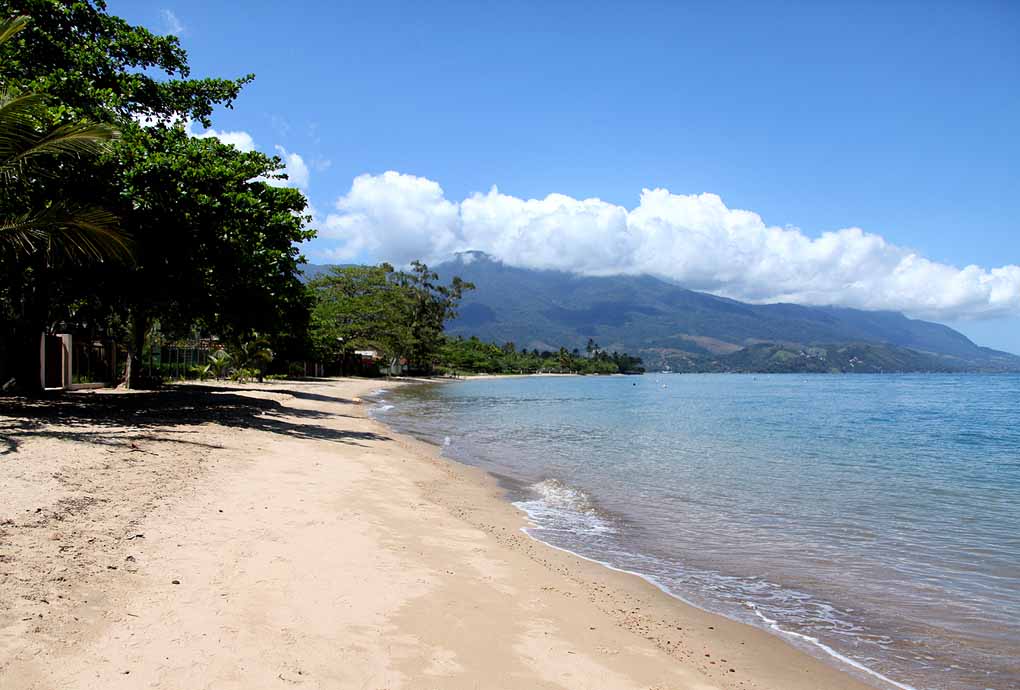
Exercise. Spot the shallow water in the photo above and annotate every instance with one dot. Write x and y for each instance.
(876, 516)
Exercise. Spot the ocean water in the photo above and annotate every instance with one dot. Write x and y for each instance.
(871, 519)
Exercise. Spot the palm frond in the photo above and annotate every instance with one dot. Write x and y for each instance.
(30, 145)
(21, 121)
(79, 233)
(19, 150)
(11, 26)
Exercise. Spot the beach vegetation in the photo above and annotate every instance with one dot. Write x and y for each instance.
(399, 315)
(214, 232)
(219, 364)
(34, 148)
(471, 355)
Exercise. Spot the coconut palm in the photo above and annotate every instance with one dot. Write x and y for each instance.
(254, 355)
(31, 149)
(219, 364)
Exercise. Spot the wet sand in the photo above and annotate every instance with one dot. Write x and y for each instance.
(273, 536)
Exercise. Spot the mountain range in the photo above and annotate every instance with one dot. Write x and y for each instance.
(672, 327)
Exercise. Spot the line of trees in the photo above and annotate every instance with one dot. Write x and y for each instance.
(471, 355)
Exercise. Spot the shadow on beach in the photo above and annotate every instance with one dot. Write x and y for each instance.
(92, 417)
(293, 392)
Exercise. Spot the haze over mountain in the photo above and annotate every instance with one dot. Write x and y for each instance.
(665, 322)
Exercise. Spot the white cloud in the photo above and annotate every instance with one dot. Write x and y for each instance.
(298, 172)
(296, 169)
(171, 24)
(239, 139)
(695, 240)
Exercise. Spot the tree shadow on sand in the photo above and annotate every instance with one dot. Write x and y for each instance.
(90, 417)
(293, 392)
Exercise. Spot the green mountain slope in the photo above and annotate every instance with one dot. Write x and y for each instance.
(686, 330)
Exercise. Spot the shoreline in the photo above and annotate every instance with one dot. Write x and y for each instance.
(313, 545)
(798, 641)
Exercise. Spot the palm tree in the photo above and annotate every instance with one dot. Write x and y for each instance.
(31, 148)
(254, 355)
(219, 364)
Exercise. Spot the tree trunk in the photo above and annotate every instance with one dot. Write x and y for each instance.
(133, 368)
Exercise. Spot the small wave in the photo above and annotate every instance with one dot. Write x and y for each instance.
(383, 407)
(557, 494)
(774, 625)
(557, 506)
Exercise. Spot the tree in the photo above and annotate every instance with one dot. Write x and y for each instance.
(98, 66)
(430, 305)
(39, 229)
(563, 359)
(253, 356)
(358, 307)
(215, 244)
(400, 314)
(32, 148)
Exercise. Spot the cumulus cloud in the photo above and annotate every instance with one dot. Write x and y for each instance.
(239, 139)
(171, 24)
(296, 169)
(695, 240)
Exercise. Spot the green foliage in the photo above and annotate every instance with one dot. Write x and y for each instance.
(244, 375)
(98, 66)
(209, 234)
(471, 355)
(664, 322)
(861, 358)
(219, 365)
(427, 306)
(253, 354)
(399, 314)
(358, 308)
(34, 149)
(215, 246)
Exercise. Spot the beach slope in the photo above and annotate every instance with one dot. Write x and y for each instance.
(273, 536)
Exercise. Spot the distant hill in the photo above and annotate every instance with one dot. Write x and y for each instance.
(686, 330)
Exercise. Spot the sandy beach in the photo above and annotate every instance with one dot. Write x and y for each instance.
(273, 536)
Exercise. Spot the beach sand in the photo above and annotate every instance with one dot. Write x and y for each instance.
(272, 536)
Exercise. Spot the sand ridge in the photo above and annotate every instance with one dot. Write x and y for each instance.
(273, 536)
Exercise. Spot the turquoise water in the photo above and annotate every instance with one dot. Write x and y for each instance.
(870, 518)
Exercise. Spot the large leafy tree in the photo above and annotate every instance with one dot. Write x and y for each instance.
(399, 313)
(430, 306)
(33, 150)
(214, 244)
(98, 66)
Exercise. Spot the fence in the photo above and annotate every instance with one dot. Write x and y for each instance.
(175, 360)
(94, 361)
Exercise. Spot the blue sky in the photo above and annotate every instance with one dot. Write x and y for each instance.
(896, 118)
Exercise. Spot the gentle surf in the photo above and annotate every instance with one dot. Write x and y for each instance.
(869, 518)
